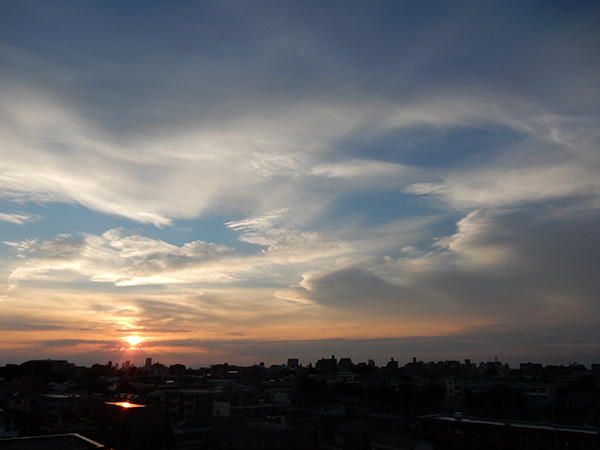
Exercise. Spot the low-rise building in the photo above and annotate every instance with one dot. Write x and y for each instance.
(268, 433)
(447, 431)
(7, 426)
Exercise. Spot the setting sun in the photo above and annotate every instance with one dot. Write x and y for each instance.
(133, 340)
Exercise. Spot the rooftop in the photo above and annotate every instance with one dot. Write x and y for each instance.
(57, 442)
(458, 418)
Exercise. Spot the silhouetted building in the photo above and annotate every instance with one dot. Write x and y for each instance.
(197, 403)
(327, 365)
(7, 426)
(392, 366)
(193, 433)
(346, 364)
(123, 424)
(387, 442)
(351, 435)
(269, 433)
(530, 368)
(292, 363)
(177, 370)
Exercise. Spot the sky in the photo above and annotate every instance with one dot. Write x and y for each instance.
(251, 181)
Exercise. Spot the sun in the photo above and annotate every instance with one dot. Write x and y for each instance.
(133, 340)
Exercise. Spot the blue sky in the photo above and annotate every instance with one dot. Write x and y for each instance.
(252, 181)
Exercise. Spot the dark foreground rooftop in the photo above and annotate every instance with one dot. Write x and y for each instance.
(58, 442)
(459, 418)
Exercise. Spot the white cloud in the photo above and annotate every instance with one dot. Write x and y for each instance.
(502, 187)
(51, 153)
(357, 168)
(115, 257)
(554, 159)
(423, 188)
(263, 222)
(249, 163)
(472, 244)
(18, 219)
(126, 259)
(285, 245)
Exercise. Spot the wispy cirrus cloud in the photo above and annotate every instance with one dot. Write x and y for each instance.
(287, 245)
(15, 218)
(555, 160)
(178, 173)
(183, 172)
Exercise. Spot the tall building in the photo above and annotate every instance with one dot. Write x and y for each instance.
(327, 365)
(292, 363)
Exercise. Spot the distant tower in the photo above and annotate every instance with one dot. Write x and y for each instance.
(148, 362)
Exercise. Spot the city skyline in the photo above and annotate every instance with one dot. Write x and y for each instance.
(239, 182)
(323, 363)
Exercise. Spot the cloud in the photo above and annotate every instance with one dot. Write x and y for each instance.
(18, 219)
(116, 257)
(287, 245)
(481, 301)
(353, 289)
(500, 187)
(175, 173)
(555, 159)
(63, 246)
(500, 266)
(21, 324)
(370, 170)
(76, 342)
(127, 259)
(168, 172)
(263, 222)
(423, 188)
